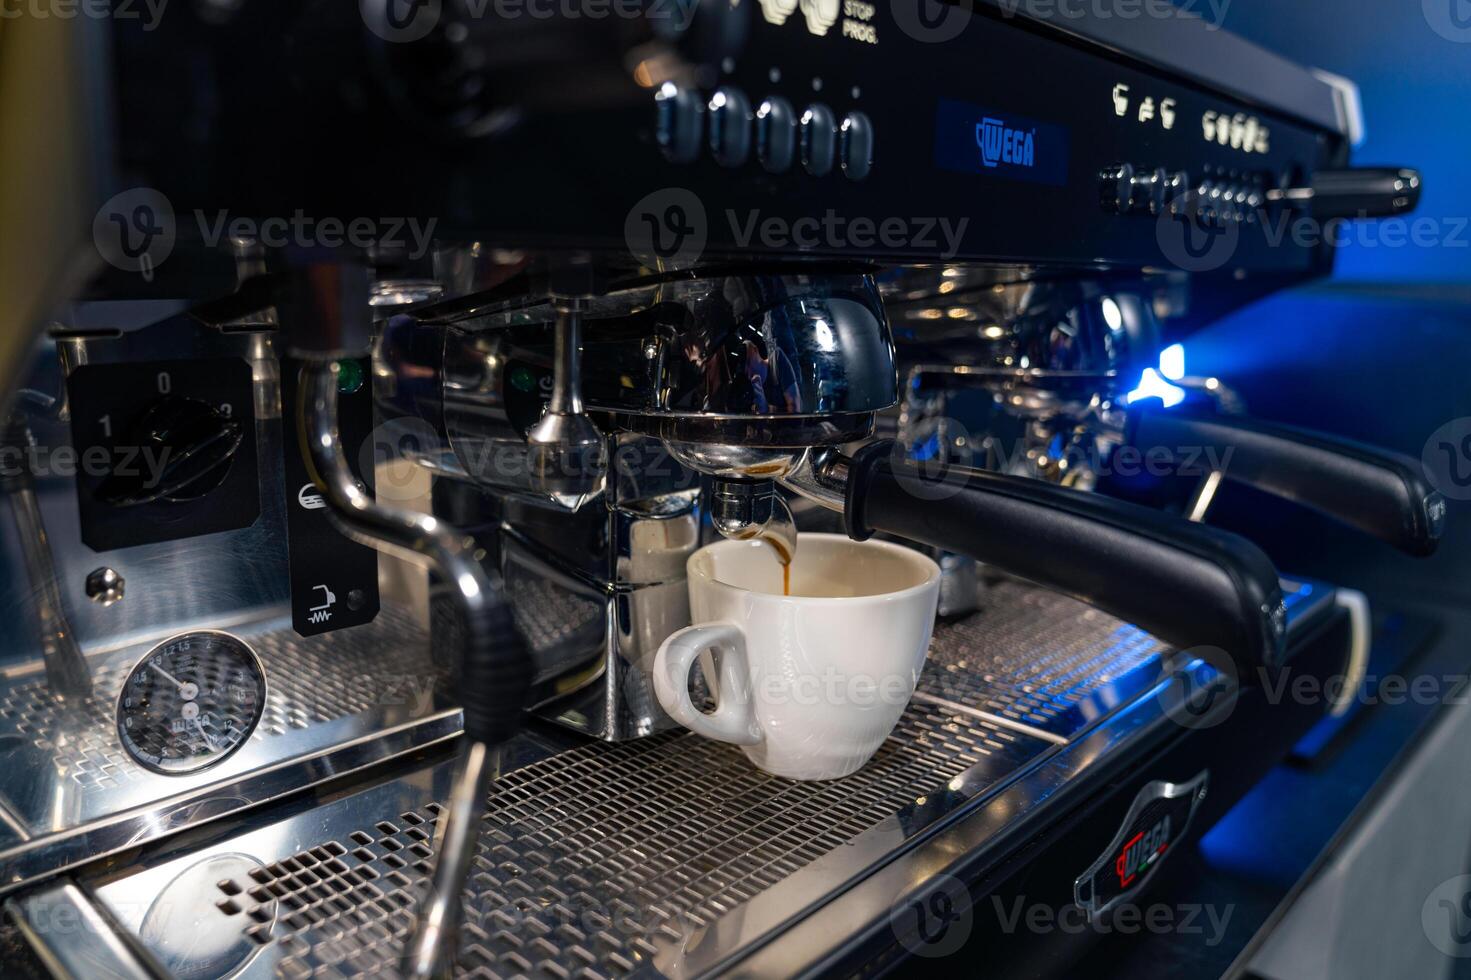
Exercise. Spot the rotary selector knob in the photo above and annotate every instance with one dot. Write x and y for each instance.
(192, 444)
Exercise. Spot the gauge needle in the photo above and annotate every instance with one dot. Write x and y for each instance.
(204, 734)
(176, 682)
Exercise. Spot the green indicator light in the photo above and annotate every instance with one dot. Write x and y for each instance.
(349, 376)
(522, 380)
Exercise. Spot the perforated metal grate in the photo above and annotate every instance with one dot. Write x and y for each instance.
(547, 614)
(589, 860)
(309, 681)
(1035, 656)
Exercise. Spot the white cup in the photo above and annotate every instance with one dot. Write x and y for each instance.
(809, 685)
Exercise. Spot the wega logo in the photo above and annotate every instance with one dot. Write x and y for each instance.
(1001, 143)
(1141, 851)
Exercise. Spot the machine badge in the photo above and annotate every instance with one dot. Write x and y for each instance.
(1156, 820)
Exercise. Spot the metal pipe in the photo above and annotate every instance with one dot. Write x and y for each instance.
(567, 378)
(431, 949)
(67, 671)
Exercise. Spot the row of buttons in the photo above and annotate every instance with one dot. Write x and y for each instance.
(1228, 201)
(1127, 190)
(779, 136)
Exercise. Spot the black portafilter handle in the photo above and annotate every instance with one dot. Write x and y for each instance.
(1378, 492)
(1188, 584)
(1365, 192)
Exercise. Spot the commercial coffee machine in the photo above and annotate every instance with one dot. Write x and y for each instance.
(366, 415)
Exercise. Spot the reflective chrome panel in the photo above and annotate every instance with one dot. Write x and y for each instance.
(334, 702)
(73, 938)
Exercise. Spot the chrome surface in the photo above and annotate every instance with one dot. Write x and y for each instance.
(565, 451)
(73, 938)
(821, 477)
(1056, 359)
(736, 376)
(747, 347)
(960, 582)
(670, 853)
(67, 670)
(1194, 790)
(745, 509)
(973, 821)
(105, 586)
(596, 591)
(335, 702)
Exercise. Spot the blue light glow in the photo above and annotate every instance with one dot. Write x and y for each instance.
(1151, 385)
(1172, 362)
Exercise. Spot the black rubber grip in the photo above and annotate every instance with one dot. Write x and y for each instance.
(1378, 492)
(1188, 584)
(495, 672)
(1372, 192)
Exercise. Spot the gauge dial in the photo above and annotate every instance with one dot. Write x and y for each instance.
(191, 702)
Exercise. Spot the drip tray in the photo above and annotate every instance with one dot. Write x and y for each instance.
(673, 852)
(591, 862)
(1040, 662)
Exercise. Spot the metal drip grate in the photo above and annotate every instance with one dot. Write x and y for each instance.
(1036, 657)
(309, 681)
(547, 614)
(591, 859)
(321, 679)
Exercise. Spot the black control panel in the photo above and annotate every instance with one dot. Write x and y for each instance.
(165, 450)
(334, 580)
(1003, 143)
(767, 128)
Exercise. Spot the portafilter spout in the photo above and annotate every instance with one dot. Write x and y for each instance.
(746, 509)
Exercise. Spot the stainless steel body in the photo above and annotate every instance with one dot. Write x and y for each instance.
(462, 768)
(727, 378)
(671, 853)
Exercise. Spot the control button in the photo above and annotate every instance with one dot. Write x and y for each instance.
(1177, 192)
(730, 127)
(1150, 193)
(819, 139)
(855, 143)
(776, 134)
(1116, 188)
(679, 121)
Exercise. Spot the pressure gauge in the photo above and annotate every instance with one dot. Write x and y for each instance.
(191, 702)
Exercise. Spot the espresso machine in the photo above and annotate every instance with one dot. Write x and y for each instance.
(404, 353)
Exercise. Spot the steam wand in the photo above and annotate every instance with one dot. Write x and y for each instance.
(495, 665)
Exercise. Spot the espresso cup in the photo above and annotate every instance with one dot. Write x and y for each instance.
(808, 684)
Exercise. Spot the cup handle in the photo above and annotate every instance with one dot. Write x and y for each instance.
(733, 719)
